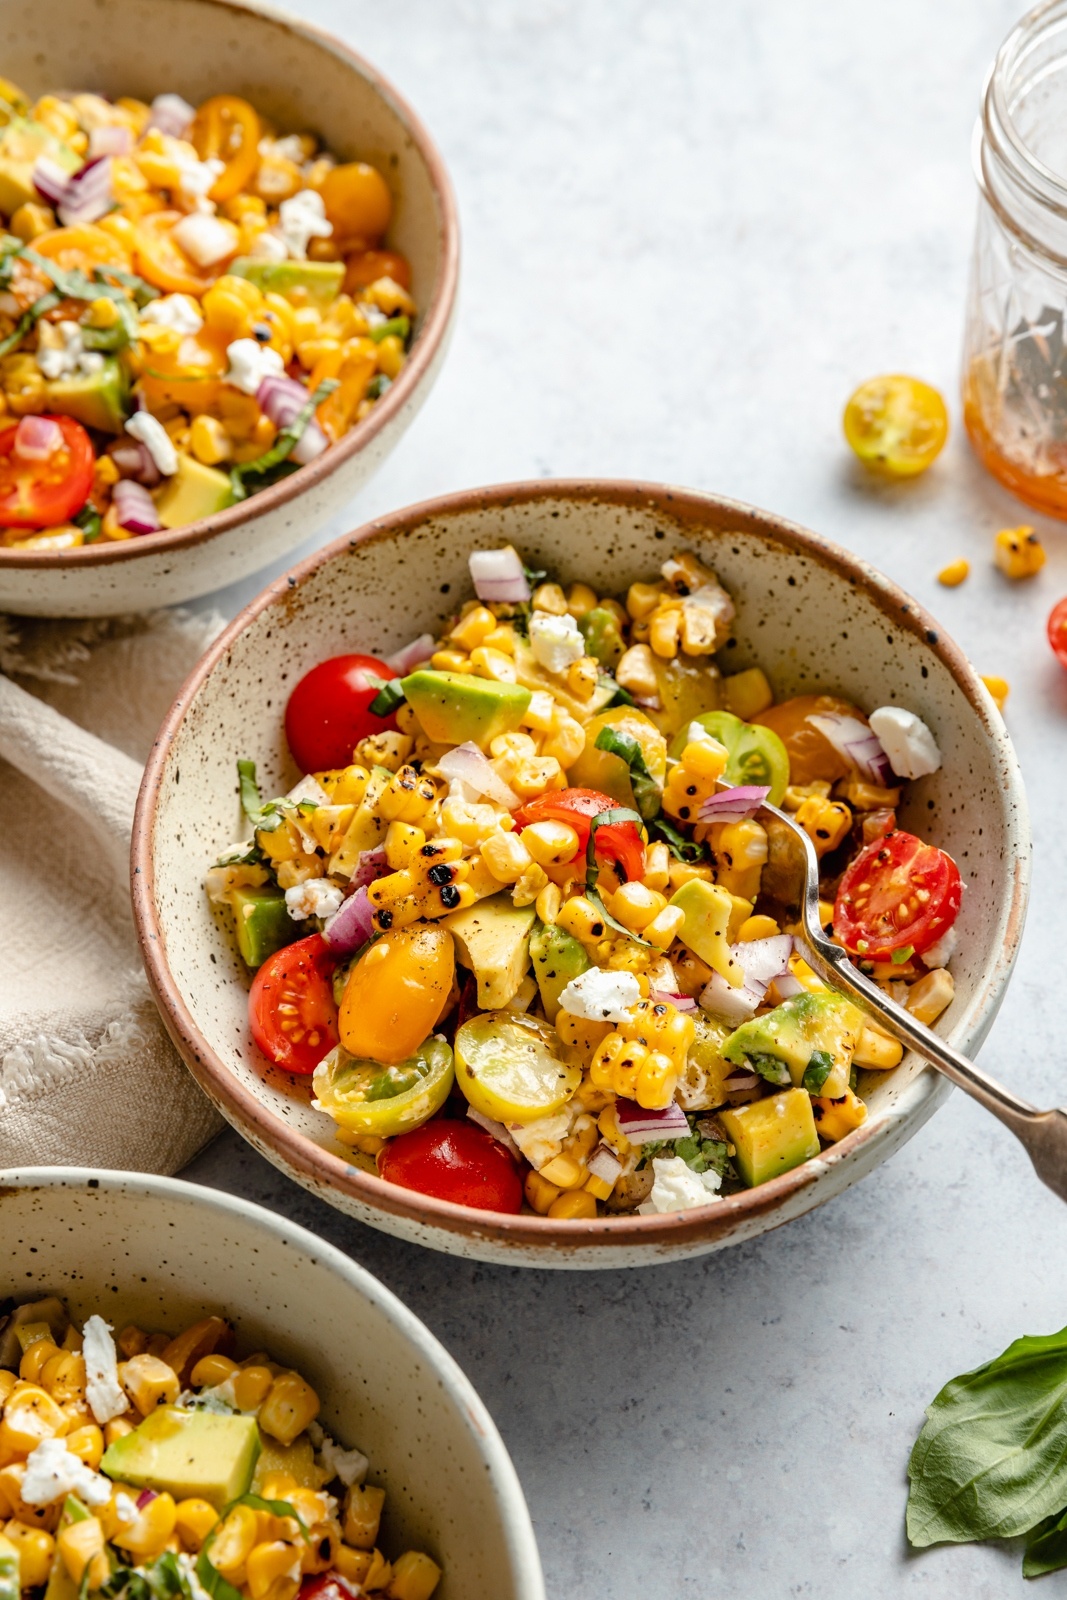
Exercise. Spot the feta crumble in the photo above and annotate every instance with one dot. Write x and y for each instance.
(156, 440)
(351, 1466)
(266, 246)
(251, 362)
(177, 311)
(301, 219)
(195, 177)
(941, 953)
(601, 996)
(53, 1471)
(318, 897)
(906, 740)
(555, 641)
(206, 239)
(543, 1138)
(105, 1394)
(61, 352)
(676, 1187)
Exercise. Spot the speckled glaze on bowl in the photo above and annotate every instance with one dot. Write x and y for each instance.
(301, 76)
(812, 615)
(160, 1253)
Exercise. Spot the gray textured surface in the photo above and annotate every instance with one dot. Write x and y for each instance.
(689, 230)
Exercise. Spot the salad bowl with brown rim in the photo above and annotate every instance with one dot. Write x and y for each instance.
(812, 615)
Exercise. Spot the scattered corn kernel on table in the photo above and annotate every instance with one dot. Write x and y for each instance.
(763, 207)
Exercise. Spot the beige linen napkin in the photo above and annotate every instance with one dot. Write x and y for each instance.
(88, 1076)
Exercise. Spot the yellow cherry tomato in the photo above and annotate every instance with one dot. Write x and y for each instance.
(189, 375)
(226, 128)
(509, 1067)
(600, 770)
(163, 262)
(384, 1100)
(396, 992)
(84, 246)
(896, 424)
(357, 201)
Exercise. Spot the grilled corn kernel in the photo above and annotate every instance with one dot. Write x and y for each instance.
(273, 1570)
(35, 1549)
(30, 221)
(151, 1528)
(149, 1382)
(529, 886)
(582, 677)
(415, 1577)
(87, 1443)
(548, 903)
(450, 661)
(30, 1415)
(194, 1520)
(549, 843)
(36, 1356)
(954, 574)
(642, 599)
(402, 844)
(926, 999)
(493, 664)
(580, 916)
(876, 1050)
(746, 694)
(566, 738)
(352, 1564)
(234, 1542)
(211, 1370)
(835, 1118)
(8, 1381)
(665, 927)
(288, 1408)
(575, 1205)
(665, 631)
(999, 688)
(1018, 552)
(473, 629)
(117, 1428)
(506, 857)
(81, 1546)
(694, 778)
(550, 597)
(534, 776)
(251, 1386)
(756, 928)
(64, 1376)
(209, 441)
(635, 906)
(636, 672)
(740, 850)
(384, 750)
(580, 599)
(363, 1513)
(540, 1194)
(826, 822)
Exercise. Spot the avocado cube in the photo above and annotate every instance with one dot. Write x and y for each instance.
(262, 922)
(772, 1135)
(600, 630)
(199, 1454)
(195, 491)
(557, 958)
(708, 909)
(305, 283)
(795, 1030)
(22, 143)
(493, 940)
(96, 399)
(458, 708)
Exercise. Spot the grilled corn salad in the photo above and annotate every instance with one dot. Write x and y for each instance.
(193, 304)
(521, 922)
(157, 1467)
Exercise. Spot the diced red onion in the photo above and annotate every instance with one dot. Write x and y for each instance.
(763, 959)
(110, 140)
(732, 1005)
(641, 1126)
(411, 655)
(733, 805)
(604, 1164)
(741, 1080)
(497, 576)
(145, 1498)
(371, 866)
(787, 986)
(37, 438)
(467, 764)
(311, 443)
(170, 114)
(134, 460)
(84, 197)
(350, 927)
(497, 1129)
(282, 400)
(858, 743)
(50, 180)
(134, 507)
(651, 702)
(680, 1002)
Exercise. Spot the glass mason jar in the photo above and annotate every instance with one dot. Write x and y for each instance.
(1015, 344)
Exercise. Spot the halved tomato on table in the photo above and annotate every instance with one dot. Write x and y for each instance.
(291, 1009)
(898, 895)
(46, 471)
(619, 842)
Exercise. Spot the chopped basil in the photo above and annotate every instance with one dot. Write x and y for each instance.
(208, 1573)
(680, 847)
(534, 576)
(773, 1068)
(267, 465)
(401, 326)
(389, 696)
(90, 522)
(619, 695)
(264, 818)
(377, 386)
(647, 792)
(28, 319)
(819, 1067)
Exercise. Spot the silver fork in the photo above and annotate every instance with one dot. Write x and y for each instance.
(1043, 1134)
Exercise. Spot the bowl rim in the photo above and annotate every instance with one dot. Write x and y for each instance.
(432, 332)
(318, 1168)
(469, 1405)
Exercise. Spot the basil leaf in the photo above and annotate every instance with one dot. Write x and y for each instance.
(604, 819)
(165, 1578)
(1046, 1548)
(90, 522)
(681, 848)
(646, 790)
(990, 1461)
(276, 1508)
(377, 386)
(283, 446)
(47, 302)
(819, 1067)
(212, 1579)
(772, 1068)
(594, 896)
(208, 1573)
(534, 576)
(389, 696)
(619, 695)
(264, 818)
(142, 291)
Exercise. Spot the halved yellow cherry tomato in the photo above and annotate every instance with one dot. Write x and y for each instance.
(384, 1100)
(357, 201)
(163, 262)
(508, 1066)
(599, 769)
(83, 246)
(188, 376)
(226, 128)
(896, 424)
(396, 992)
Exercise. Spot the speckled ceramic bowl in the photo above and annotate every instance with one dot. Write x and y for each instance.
(305, 79)
(813, 616)
(161, 1253)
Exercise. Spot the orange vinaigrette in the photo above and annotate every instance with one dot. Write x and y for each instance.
(1033, 469)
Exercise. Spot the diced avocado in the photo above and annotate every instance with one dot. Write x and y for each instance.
(772, 1135)
(823, 1025)
(61, 1585)
(457, 707)
(9, 1570)
(203, 1454)
(708, 909)
(22, 144)
(367, 828)
(96, 399)
(557, 958)
(193, 492)
(305, 283)
(706, 1067)
(600, 630)
(493, 940)
(297, 1459)
(262, 922)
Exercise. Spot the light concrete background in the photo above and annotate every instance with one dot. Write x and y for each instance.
(690, 228)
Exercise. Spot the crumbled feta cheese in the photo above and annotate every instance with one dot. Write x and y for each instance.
(125, 1509)
(53, 1471)
(906, 740)
(601, 996)
(251, 362)
(676, 1187)
(206, 240)
(61, 352)
(187, 1567)
(941, 953)
(177, 311)
(543, 1138)
(156, 440)
(105, 1394)
(317, 897)
(267, 246)
(195, 177)
(291, 148)
(349, 1465)
(169, 111)
(555, 641)
(300, 219)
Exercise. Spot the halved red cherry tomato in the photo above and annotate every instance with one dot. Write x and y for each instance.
(898, 893)
(328, 1586)
(455, 1161)
(615, 841)
(327, 713)
(38, 492)
(290, 1007)
(1057, 630)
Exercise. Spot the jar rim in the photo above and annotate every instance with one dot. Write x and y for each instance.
(1045, 185)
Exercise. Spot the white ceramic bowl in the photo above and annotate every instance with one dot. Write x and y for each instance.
(305, 79)
(161, 1253)
(813, 616)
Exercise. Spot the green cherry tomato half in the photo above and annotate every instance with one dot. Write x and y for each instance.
(370, 1097)
(508, 1066)
(756, 755)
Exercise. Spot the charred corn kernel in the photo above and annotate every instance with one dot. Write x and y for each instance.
(583, 1037)
(657, 865)
(642, 599)
(582, 677)
(550, 843)
(954, 574)
(288, 1408)
(87, 1443)
(565, 1172)
(468, 821)
(149, 1382)
(740, 851)
(345, 785)
(81, 1546)
(11, 1488)
(117, 1428)
(392, 356)
(636, 672)
(8, 1381)
(876, 1050)
(576, 1205)
(474, 628)
(402, 844)
(408, 797)
(211, 1370)
(694, 778)
(151, 1528)
(550, 597)
(665, 631)
(635, 906)
(278, 1485)
(30, 1415)
(194, 1520)
(746, 694)
(643, 1058)
(209, 441)
(534, 776)
(38, 1351)
(1018, 552)
(757, 928)
(379, 1573)
(548, 903)
(273, 1570)
(387, 749)
(450, 661)
(234, 1542)
(251, 1386)
(865, 796)
(515, 745)
(796, 794)
(999, 688)
(580, 599)
(566, 738)
(527, 888)
(582, 918)
(835, 1118)
(64, 1376)
(30, 221)
(826, 822)
(415, 1577)
(540, 711)
(506, 857)
(352, 1564)
(540, 1194)
(35, 1548)
(363, 1513)
(501, 638)
(926, 1001)
(665, 927)
(493, 664)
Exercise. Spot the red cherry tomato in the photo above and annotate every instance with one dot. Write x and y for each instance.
(455, 1161)
(328, 1586)
(899, 892)
(1057, 630)
(38, 492)
(327, 713)
(615, 841)
(290, 1005)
